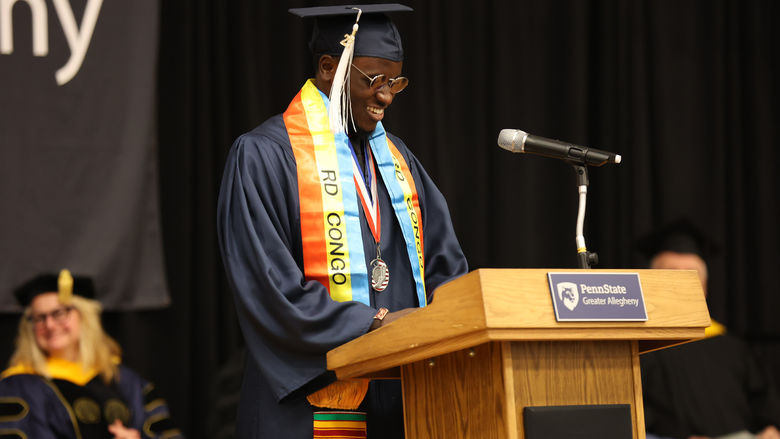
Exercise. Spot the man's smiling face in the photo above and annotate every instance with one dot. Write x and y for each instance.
(369, 105)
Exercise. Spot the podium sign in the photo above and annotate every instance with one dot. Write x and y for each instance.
(593, 297)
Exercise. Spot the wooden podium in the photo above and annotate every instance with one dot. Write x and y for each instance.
(489, 345)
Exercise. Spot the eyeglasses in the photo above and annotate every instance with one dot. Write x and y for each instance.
(396, 85)
(58, 315)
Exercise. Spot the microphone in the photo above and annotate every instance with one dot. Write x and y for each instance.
(520, 141)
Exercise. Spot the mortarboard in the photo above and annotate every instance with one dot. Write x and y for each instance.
(343, 31)
(679, 236)
(377, 36)
(63, 283)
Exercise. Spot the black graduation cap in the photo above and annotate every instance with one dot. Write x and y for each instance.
(51, 283)
(679, 236)
(377, 36)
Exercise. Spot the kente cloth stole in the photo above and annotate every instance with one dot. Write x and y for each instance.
(330, 219)
(338, 425)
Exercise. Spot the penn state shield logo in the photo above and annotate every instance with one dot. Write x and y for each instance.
(568, 294)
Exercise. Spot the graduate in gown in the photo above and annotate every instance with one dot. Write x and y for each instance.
(328, 232)
(65, 380)
(706, 388)
(709, 388)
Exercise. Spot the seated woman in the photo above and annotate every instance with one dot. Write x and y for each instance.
(65, 378)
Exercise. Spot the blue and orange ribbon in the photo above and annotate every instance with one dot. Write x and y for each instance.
(330, 220)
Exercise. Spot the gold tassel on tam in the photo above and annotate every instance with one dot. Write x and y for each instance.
(341, 395)
(65, 286)
(340, 109)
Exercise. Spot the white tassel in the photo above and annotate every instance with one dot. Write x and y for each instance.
(340, 109)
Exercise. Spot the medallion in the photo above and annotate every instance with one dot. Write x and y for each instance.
(380, 275)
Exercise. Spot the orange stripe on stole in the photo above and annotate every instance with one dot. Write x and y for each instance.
(309, 193)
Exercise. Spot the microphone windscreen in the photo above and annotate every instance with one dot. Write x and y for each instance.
(511, 140)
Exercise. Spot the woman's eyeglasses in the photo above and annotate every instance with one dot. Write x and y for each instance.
(58, 315)
(396, 85)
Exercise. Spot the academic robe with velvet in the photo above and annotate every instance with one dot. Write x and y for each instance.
(289, 323)
(64, 407)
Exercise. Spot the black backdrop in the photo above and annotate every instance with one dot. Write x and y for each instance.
(684, 90)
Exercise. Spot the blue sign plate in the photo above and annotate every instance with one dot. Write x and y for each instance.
(599, 296)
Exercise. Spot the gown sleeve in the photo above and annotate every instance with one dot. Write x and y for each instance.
(151, 416)
(288, 323)
(31, 409)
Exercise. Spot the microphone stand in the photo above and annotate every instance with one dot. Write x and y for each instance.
(585, 258)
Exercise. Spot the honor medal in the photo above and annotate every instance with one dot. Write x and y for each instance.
(380, 275)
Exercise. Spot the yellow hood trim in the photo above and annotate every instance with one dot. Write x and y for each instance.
(58, 368)
(714, 329)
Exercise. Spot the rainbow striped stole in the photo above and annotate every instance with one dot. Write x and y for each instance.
(330, 220)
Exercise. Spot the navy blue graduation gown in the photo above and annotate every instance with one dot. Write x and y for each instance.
(289, 323)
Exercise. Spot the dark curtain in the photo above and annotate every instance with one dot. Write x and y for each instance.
(685, 91)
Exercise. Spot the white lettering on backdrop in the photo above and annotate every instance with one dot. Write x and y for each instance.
(78, 38)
